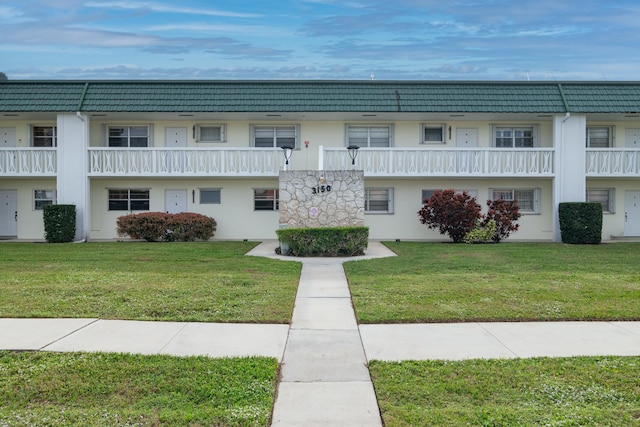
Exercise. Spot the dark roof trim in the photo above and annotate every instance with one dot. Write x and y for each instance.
(564, 98)
(84, 93)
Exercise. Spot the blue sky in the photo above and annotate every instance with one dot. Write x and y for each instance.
(321, 39)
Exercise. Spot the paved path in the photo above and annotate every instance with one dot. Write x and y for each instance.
(324, 353)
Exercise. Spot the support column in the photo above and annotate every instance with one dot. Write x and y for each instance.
(72, 181)
(569, 140)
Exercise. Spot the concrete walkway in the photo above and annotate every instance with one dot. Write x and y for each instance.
(324, 352)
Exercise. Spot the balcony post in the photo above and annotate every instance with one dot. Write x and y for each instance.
(569, 183)
(72, 183)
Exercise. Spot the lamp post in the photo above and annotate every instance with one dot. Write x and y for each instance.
(287, 150)
(353, 153)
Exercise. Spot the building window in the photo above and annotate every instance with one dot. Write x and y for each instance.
(432, 134)
(45, 136)
(129, 200)
(370, 136)
(426, 194)
(210, 196)
(266, 199)
(129, 136)
(528, 199)
(42, 198)
(515, 137)
(378, 200)
(210, 133)
(274, 136)
(604, 196)
(599, 137)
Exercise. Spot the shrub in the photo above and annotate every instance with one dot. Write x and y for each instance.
(451, 213)
(328, 241)
(482, 232)
(580, 222)
(458, 215)
(59, 223)
(160, 226)
(504, 214)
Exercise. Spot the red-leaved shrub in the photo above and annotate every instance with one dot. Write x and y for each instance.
(451, 213)
(160, 226)
(505, 214)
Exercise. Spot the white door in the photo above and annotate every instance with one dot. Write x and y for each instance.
(8, 213)
(632, 138)
(7, 137)
(176, 137)
(467, 138)
(632, 213)
(175, 201)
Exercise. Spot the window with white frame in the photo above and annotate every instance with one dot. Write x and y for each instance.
(369, 135)
(128, 200)
(515, 136)
(599, 136)
(378, 200)
(42, 198)
(604, 196)
(274, 136)
(266, 199)
(44, 136)
(129, 136)
(210, 133)
(432, 133)
(210, 196)
(528, 198)
(426, 194)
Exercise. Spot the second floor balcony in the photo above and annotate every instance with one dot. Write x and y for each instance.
(444, 162)
(268, 162)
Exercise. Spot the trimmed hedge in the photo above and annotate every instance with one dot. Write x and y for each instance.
(325, 241)
(580, 222)
(59, 223)
(160, 226)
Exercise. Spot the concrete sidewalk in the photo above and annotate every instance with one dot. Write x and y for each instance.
(324, 352)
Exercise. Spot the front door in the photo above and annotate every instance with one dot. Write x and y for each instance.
(7, 137)
(632, 138)
(632, 213)
(175, 201)
(176, 137)
(8, 213)
(467, 138)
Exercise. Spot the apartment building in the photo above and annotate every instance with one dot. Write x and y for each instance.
(215, 147)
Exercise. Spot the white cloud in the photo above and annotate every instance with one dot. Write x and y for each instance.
(157, 7)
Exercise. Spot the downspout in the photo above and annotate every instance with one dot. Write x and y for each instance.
(84, 136)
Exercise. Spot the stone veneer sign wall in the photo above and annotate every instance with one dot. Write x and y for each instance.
(321, 199)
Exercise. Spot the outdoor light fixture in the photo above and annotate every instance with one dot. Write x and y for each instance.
(287, 150)
(353, 153)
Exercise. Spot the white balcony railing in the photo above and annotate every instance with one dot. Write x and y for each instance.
(185, 161)
(431, 161)
(613, 162)
(28, 161)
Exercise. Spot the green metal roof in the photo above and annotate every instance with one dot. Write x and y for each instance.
(319, 96)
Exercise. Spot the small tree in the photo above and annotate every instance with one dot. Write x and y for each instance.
(504, 214)
(451, 213)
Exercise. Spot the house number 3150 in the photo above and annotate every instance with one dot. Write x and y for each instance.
(320, 189)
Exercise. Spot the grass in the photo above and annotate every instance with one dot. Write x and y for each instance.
(589, 391)
(98, 389)
(201, 282)
(440, 282)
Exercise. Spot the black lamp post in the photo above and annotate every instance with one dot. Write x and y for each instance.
(353, 153)
(287, 150)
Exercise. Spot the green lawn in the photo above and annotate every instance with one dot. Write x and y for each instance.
(443, 282)
(75, 389)
(202, 282)
(593, 391)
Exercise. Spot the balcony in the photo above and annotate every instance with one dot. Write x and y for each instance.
(444, 162)
(185, 162)
(28, 162)
(613, 162)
